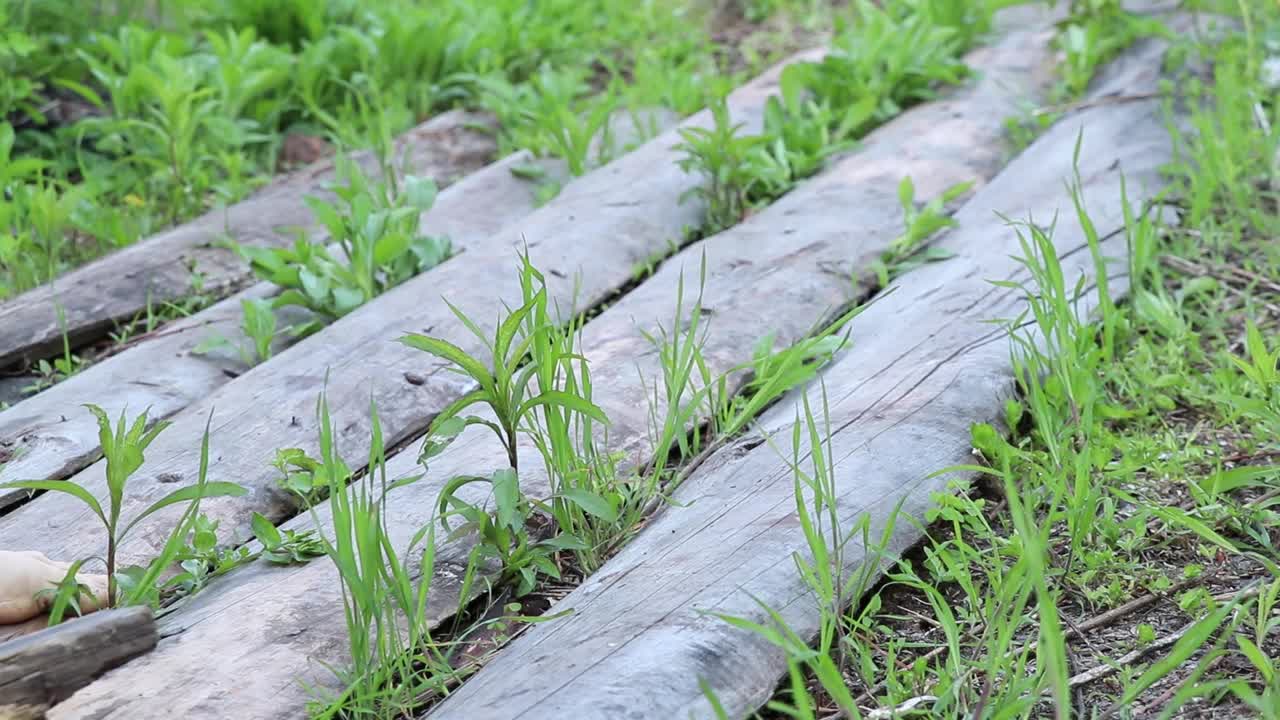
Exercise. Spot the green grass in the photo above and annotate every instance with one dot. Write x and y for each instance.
(122, 448)
(537, 386)
(119, 120)
(1139, 454)
(884, 57)
(1140, 466)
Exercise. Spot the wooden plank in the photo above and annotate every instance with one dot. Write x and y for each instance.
(260, 632)
(924, 366)
(50, 436)
(46, 667)
(159, 269)
(587, 240)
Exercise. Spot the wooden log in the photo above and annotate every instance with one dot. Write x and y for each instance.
(159, 269)
(259, 635)
(46, 667)
(50, 436)
(924, 366)
(587, 241)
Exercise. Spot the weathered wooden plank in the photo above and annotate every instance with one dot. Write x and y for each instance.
(924, 366)
(159, 269)
(587, 240)
(46, 667)
(256, 634)
(50, 436)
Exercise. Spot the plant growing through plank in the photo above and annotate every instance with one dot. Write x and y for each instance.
(910, 250)
(505, 389)
(375, 226)
(395, 661)
(883, 60)
(123, 451)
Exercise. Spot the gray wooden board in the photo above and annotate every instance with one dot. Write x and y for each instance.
(159, 269)
(924, 365)
(587, 241)
(242, 647)
(50, 436)
(46, 667)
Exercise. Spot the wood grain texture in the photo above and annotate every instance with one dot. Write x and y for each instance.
(50, 436)
(587, 241)
(46, 667)
(925, 364)
(159, 269)
(257, 634)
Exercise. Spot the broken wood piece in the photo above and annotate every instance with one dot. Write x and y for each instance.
(285, 623)
(46, 667)
(161, 268)
(924, 366)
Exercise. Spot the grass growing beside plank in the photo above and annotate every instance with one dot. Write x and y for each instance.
(1062, 532)
(119, 120)
(1119, 557)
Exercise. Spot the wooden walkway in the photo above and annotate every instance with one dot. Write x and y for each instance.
(924, 365)
(125, 283)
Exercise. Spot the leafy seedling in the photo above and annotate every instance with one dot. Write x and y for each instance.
(123, 450)
(505, 389)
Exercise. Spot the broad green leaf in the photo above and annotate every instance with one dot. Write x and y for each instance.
(389, 247)
(1257, 657)
(447, 351)
(316, 287)
(346, 299)
(419, 192)
(506, 495)
(565, 541)
(591, 503)
(1236, 478)
(906, 192)
(265, 531)
(564, 399)
(290, 297)
(441, 435)
(62, 486)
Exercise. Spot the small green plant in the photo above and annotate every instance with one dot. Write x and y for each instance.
(260, 328)
(826, 571)
(49, 373)
(395, 661)
(909, 250)
(202, 560)
(123, 451)
(546, 115)
(886, 58)
(1261, 367)
(61, 368)
(302, 476)
(376, 229)
(883, 60)
(508, 534)
(1092, 35)
(286, 547)
(730, 163)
